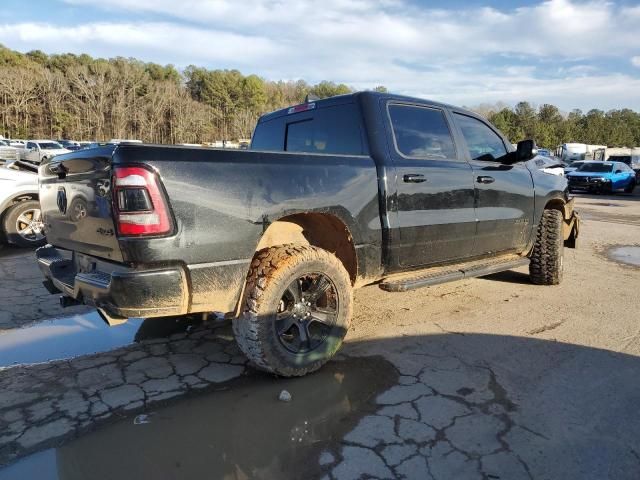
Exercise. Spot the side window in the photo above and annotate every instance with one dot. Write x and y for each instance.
(484, 144)
(332, 130)
(421, 132)
(31, 145)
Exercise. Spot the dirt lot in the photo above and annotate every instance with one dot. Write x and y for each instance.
(485, 378)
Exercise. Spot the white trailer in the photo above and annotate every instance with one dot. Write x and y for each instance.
(570, 152)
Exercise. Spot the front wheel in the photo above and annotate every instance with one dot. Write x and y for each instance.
(297, 309)
(546, 266)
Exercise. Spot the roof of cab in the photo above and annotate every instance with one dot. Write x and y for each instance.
(351, 97)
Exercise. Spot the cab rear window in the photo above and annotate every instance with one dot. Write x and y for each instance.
(330, 130)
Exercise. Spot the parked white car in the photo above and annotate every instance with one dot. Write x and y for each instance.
(36, 151)
(550, 165)
(20, 216)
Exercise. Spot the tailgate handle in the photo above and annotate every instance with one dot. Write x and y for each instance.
(414, 178)
(485, 179)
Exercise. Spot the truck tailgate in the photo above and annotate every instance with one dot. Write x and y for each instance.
(75, 197)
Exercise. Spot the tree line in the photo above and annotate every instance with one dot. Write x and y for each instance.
(86, 98)
(550, 128)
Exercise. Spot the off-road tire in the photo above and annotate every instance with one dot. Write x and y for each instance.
(546, 266)
(272, 270)
(9, 224)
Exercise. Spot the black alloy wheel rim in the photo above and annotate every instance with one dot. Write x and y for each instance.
(307, 313)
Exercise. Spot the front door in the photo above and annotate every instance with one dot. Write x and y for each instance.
(504, 193)
(433, 205)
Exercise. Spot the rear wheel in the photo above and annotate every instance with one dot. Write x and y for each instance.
(546, 266)
(23, 224)
(297, 310)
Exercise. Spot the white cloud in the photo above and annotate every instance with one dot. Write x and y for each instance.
(448, 54)
(160, 40)
(635, 61)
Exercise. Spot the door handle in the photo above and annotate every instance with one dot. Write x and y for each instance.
(414, 178)
(485, 179)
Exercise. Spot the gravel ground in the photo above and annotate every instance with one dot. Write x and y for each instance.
(492, 378)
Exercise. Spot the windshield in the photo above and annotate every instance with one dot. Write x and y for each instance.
(50, 145)
(575, 164)
(595, 167)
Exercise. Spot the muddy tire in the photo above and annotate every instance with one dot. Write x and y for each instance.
(297, 310)
(22, 225)
(546, 266)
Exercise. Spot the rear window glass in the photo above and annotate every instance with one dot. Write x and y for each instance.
(421, 132)
(269, 136)
(332, 130)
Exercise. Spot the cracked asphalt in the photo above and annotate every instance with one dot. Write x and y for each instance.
(490, 378)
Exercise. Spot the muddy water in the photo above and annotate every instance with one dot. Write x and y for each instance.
(249, 433)
(625, 254)
(86, 334)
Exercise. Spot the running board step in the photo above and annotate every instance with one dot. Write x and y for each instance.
(437, 275)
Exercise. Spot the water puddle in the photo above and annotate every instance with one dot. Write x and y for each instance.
(86, 334)
(625, 254)
(240, 432)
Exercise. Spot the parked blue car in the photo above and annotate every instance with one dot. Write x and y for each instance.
(602, 177)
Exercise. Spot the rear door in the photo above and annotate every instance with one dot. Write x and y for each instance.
(433, 205)
(75, 197)
(504, 194)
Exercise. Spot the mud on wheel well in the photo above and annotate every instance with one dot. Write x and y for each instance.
(318, 229)
(556, 204)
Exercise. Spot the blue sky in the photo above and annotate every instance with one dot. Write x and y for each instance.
(573, 53)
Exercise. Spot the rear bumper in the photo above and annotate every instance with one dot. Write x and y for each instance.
(120, 290)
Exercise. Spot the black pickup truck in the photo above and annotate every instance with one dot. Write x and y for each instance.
(333, 194)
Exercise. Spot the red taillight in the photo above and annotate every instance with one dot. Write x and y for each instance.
(138, 203)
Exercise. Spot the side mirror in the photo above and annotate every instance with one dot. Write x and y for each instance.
(526, 150)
